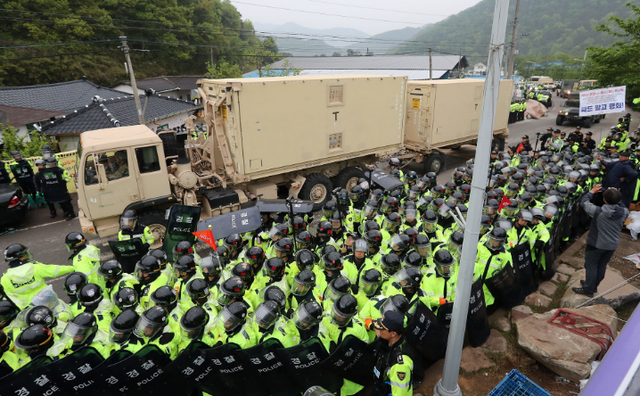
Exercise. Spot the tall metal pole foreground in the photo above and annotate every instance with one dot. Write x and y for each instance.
(514, 39)
(132, 77)
(448, 385)
(430, 64)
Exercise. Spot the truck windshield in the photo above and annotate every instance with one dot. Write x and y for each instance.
(573, 100)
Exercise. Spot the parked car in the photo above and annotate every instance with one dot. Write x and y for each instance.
(13, 204)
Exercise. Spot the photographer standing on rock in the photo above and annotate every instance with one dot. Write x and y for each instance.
(604, 236)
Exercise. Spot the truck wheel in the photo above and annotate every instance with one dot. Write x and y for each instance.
(559, 120)
(316, 188)
(597, 120)
(154, 219)
(587, 122)
(434, 163)
(348, 177)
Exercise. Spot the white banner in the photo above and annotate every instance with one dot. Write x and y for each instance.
(602, 101)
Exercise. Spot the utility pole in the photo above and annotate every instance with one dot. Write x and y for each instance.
(132, 76)
(211, 54)
(514, 39)
(460, 65)
(448, 385)
(430, 64)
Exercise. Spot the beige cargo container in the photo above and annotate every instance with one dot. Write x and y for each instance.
(443, 114)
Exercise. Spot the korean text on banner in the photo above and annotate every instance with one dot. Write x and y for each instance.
(602, 101)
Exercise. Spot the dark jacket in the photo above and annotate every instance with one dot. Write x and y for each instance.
(606, 223)
(614, 173)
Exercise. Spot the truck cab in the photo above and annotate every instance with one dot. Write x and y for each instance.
(120, 168)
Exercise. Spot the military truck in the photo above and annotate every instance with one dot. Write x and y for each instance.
(269, 138)
(445, 114)
(273, 138)
(571, 112)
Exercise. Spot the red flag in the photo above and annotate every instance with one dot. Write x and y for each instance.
(207, 237)
(505, 202)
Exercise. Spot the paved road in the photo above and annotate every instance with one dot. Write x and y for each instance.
(45, 236)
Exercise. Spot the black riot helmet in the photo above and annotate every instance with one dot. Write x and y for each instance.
(192, 323)
(274, 293)
(129, 219)
(233, 316)
(17, 254)
(283, 247)
(344, 308)
(164, 296)
(303, 282)
(275, 268)
(147, 269)
(222, 254)
(233, 242)
(5, 342)
(307, 315)
(328, 209)
(126, 298)
(371, 225)
(198, 290)
(122, 326)
(75, 241)
(266, 314)
(443, 261)
(337, 287)
(35, 339)
(332, 261)
(409, 279)
(305, 259)
(8, 311)
(212, 269)
(182, 249)
(230, 290)
(497, 237)
(160, 255)
(244, 271)
(255, 256)
(185, 264)
(110, 269)
(370, 281)
(40, 315)
(374, 237)
(324, 230)
(81, 328)
(90, 295)
(413, 259)
(298, 224)
(390, 263)
(151, 322)
(397, 303)
(304, 239)
(74, 282)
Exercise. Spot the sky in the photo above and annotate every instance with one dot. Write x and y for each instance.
(376, 16)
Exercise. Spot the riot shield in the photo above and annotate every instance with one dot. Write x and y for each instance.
(108, 384)
(32, 379)
(353, 360)
(280, 206)
(385, 181)
(523, 266)
(444, 314)
(269, 366)
(73, 372)
(128, 253)
(183, 220)
(5, 369)
(142, 373)
(478, 328)
(190, 367)
(426, 334)
(546, 254)
(238, 222)
(505, 287)
(303, 361)
(229, 373)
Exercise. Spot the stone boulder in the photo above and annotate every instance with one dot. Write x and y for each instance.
(563, 352)
(615, 298)
(496, 344)
(474, 359)
(502, 324)
(536, 299)
(520, 312)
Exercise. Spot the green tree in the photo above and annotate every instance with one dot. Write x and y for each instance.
(336, 54)
(223, 69)
(286, 70)
(618, 64)
(27, 147)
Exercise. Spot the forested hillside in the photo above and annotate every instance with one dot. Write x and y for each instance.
(60, 40)
(544, 27)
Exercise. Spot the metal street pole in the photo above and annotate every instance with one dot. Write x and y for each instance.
(430, 65)
(136, 98)
(514, 39)
(448, 385)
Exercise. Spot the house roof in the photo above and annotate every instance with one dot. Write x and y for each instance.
(109, 113)
(167, 83)
(18, 116)
(439, 62)
(63, 97)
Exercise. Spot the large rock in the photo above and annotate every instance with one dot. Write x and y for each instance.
(611, 279)
(563, 352)
(548, 288)
(565, 269)
(559, 278)
(474, 359)
(502, 324)
(496, 344)
(538, 300)
(575, 262)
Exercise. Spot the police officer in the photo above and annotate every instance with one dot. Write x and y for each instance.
(8, 360)
(22, 173)
(35, 341)
(113, 278)
(86, 258)
(54, 187)
(149, 330)
(192, 325)
(232, 327)
(25, 277)
(269, 323)
(150, 278)
(393, 369)
(130, 228)
(185, 270)
(81, 331)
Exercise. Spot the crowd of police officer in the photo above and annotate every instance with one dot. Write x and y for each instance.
(48, 185)
(363, 270)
